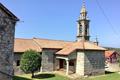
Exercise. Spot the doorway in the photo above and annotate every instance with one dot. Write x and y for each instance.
(61, 63)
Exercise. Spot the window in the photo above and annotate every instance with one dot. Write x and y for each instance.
(18, 63)
(86, 32)
(80, 29)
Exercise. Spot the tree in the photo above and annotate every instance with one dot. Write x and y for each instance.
(30, 61)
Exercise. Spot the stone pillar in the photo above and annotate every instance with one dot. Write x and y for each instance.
(75, 66)
(67, 67)
(41, 69)
(57, 65)
(80, 63)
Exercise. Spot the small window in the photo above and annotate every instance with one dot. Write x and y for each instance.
(80, 29)
(18, 63)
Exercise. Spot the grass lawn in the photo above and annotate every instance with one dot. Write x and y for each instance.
(47, 76)
(107, 76)
(111, 76)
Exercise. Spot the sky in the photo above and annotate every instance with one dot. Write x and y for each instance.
(57, 19)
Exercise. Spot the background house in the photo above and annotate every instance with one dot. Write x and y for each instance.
(112, 60)
(111, 56)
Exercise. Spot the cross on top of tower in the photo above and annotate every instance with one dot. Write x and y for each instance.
(83, 10)
(83, 3)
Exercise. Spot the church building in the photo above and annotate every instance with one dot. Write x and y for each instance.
(81, 57)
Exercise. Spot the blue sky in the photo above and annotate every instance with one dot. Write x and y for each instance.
(56, 19)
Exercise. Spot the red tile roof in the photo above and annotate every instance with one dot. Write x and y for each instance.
(47, 43)
(37, 44)
(79, 45)
(109, 53)
(66, 47)
(21, 45)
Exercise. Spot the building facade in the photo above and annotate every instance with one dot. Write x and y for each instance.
(81, 57)
(7, 30)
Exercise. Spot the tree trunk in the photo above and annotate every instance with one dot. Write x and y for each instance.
(32, 74)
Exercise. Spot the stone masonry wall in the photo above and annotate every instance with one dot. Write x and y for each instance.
(17, 70)
(94, 63)
(17, 56)
(7, 29)
(48, 60)
(90, 63)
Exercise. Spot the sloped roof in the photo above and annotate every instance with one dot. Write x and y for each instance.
(113, 49)
(79, 45)
(54, 44)
(21, 45)
(109, 53)
(38, 44)
(65, 47)
(8, 12)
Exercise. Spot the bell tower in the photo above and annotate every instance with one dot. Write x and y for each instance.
(83, 25)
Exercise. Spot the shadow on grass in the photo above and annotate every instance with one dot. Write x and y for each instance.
(42, 76)
(108, 72)
(20, 78)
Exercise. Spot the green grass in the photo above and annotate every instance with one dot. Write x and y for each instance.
(47, 76)
(111, 76)
(108, 76)
(20, 78)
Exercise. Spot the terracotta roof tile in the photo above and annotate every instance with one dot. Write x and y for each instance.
(37, 44)
(79, 45)
(67, 50)
(108, 53)
(22, 45)
(66, 47)
(47, 43)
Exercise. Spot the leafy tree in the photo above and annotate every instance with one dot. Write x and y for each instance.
(30, 61)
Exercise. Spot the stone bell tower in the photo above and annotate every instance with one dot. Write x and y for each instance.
(7, 31)
(83, 25)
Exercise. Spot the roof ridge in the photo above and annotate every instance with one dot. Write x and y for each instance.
(51, 39)
(23, 38)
